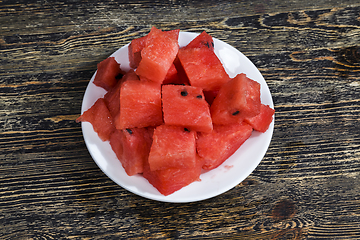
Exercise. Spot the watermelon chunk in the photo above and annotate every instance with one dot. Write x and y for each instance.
(100, 118)
(203, 68)
(262, 121)
(186, 106)
(157, 56)
(132, 147)
(137, 44)
(172, 147)
(237, 99)
(107, 74)
(221, 143)
(202, 40)
(140, 104)
(170, 180)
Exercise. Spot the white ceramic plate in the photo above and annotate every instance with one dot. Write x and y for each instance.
(232, 172)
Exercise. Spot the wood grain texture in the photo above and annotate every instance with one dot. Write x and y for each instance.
(306, 187)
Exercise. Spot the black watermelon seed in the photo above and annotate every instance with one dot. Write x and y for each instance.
(207, 44)
(235, 113)
(186, 130)
(129, 131)
(184, 93)
(199, 96)
(212, 43)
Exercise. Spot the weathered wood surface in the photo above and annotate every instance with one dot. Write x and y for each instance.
(306, 187)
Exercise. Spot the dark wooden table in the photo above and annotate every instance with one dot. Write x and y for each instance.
(306, 187)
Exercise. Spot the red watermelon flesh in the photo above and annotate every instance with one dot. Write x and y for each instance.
(174, 34)
(132, 148)
(221, 143)
(112, 97)
(202, 40)
(107, 73)
(203, 68)
(100, 118)
(210, 96)
(182, 77)
(186, 106)
(137, 44)
(140, 104)
(157, 56)
(262, 121)
(237, 99)
(172, 147)
(172, 76)
(136, 144)
(170, 180)
(134, 51)
(116, 120)
(116, 143)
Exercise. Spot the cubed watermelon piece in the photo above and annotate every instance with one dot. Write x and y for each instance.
(170, 180)
(172, 147)
(262, 121)
(221, 143)
(202, 40)
(140, 104)
(237, 99)
(203, 68)
(137, 44)
(100, 118)
(186, 106)
(132, 147)
(107, 73)
(157, 56)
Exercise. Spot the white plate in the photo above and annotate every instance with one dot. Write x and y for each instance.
(232, 172)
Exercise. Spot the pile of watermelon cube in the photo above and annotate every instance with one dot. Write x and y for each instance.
(176, 112)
